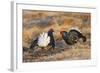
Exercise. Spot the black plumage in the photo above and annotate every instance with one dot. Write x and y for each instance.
(72, 36)
(52, 41)
(78, 34)
(34, 43)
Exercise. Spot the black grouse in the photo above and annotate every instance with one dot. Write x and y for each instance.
(72, 36)
(50, 43)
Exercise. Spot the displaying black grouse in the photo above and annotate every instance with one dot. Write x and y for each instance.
(72, 36)
(43, 41)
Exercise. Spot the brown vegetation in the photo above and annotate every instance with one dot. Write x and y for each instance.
(59, 21)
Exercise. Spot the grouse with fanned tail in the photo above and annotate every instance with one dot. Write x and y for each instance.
(72, 36)
(44, 40)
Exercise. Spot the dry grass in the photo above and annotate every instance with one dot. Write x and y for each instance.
(71, 54)
(63, 21)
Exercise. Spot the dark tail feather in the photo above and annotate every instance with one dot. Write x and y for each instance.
(33, 44)
(84, 39)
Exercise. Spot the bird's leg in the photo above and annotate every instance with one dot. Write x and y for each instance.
(42, 48)
(53, 49)
(49, 51)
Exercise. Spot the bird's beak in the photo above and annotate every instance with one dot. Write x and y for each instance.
(61, 32)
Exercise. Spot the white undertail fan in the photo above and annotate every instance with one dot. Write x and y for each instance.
(43, 40)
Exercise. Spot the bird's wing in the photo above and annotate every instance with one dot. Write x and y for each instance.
(33, 43)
